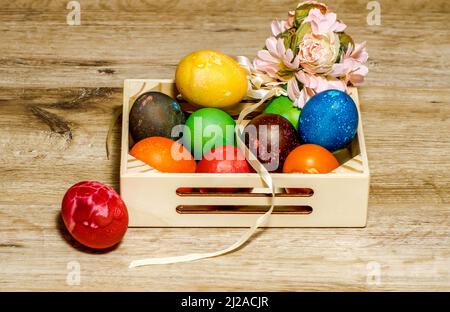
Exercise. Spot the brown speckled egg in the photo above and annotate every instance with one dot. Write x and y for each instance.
(154, 114)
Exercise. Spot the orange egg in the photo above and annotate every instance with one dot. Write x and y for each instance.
(164, 155)
(310, 158)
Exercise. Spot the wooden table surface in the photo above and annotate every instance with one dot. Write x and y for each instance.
(59, 87)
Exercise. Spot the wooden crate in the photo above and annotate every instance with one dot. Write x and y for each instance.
(338, 199)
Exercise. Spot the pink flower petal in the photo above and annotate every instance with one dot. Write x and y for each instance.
(293, 89)
(289, 55)
(362, 70)
(266, 56)
(271, 45)
(281, 49)
(360, 53)
(323, 23)
(339, 26)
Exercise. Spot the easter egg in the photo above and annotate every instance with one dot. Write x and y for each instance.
(223, 159)
(211, 79)
(329, 119)
(154, 114)
(164, 155)
(94, 214)
(271, 138)
(207, 128)
(310, 158)
(283, 106)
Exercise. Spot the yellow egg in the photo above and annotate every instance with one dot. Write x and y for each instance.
(211, 79)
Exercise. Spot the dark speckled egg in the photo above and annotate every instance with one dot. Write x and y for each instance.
(154, 114)
(329, 119)
(271, 138)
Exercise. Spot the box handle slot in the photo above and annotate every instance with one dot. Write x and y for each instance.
(218, 192)
(218, 209)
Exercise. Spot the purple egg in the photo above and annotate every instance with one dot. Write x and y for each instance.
(271, 138)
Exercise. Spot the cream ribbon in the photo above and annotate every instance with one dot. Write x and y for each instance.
(259, 84)
(261, 87)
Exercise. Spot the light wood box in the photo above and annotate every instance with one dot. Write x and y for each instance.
(339, 198)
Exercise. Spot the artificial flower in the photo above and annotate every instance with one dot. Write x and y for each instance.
(318, 53)
(279, 27)
(302, 10)
(322, 6)
(276, 61)
(312, 84)
(323, 24)
(303, 54)
(351, 66)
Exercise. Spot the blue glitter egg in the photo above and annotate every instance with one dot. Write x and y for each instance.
(329, 119)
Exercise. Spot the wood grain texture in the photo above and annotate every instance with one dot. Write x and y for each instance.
(59, 87)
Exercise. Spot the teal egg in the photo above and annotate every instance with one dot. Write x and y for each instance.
(284, 107)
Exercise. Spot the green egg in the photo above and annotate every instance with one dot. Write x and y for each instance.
(207, 128)
(283, 106)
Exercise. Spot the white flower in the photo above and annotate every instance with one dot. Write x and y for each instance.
(318, 53)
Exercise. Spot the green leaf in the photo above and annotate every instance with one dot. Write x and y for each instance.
(300, 33)
(303, 11)
(345, 41)
(286, 73)
(287, 36)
